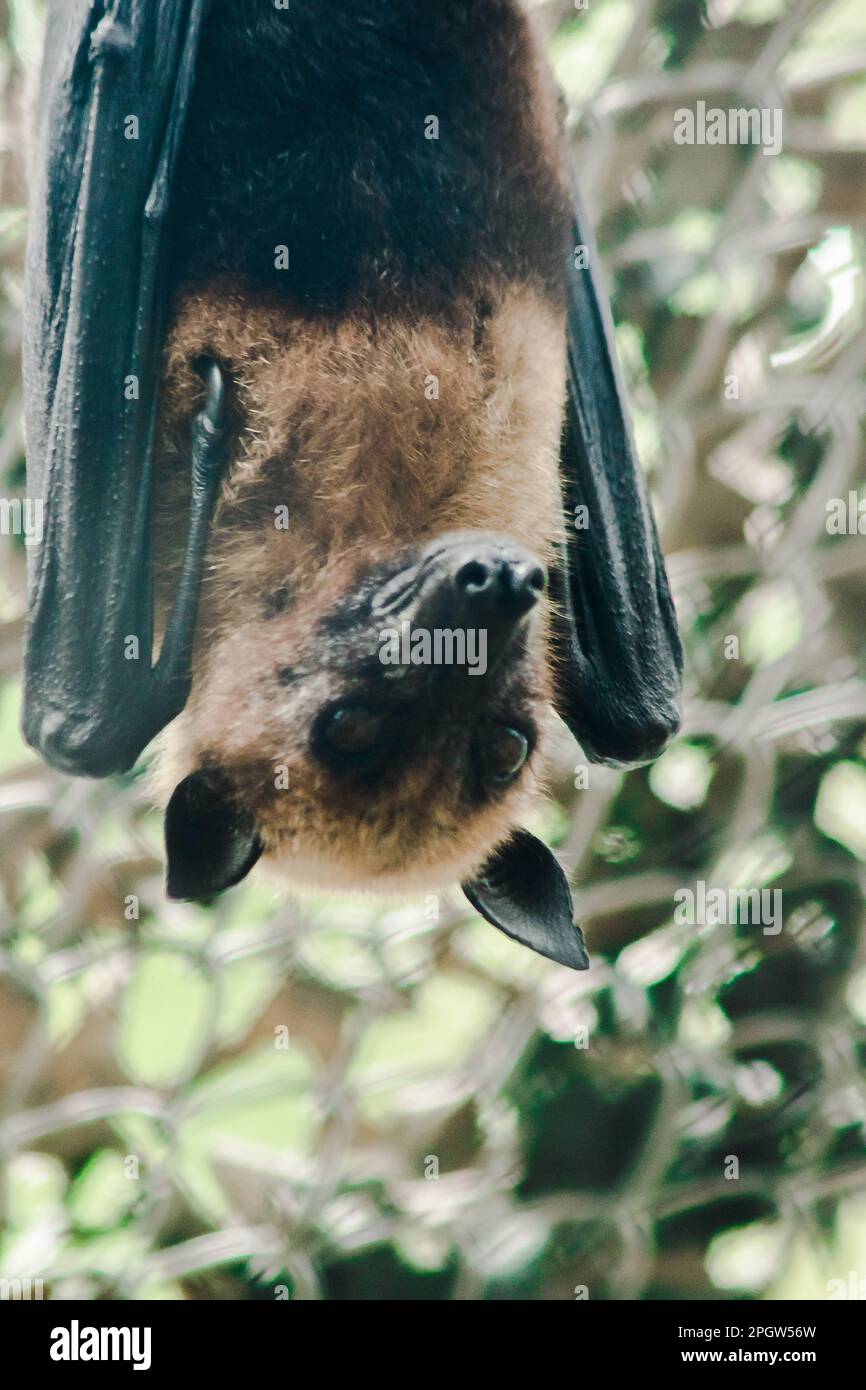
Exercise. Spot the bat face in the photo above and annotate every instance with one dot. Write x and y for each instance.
(395, 743)
(372, 682)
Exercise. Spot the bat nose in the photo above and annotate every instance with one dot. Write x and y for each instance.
(492, 584)
(487, 584)
(474, 582)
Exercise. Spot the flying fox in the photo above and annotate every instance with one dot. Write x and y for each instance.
(320, 377)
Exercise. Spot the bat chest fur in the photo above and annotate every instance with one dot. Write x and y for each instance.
(359, 434)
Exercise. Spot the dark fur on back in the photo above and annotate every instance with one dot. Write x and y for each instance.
(307, 130)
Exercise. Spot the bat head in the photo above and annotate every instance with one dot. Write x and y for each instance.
(386, 737)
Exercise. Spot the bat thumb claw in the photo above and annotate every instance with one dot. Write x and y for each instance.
(213, 415)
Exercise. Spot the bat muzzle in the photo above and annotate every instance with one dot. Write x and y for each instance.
(471, 583)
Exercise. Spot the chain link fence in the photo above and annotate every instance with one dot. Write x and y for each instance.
(341, 1099)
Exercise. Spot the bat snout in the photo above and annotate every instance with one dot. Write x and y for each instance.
(492, 585)
(482, 583)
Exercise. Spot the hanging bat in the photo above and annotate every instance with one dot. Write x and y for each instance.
(315, 387)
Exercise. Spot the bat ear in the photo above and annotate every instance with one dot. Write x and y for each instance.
(523, 891)
(211, 843)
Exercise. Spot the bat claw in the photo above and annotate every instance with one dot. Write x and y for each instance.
(213, 415)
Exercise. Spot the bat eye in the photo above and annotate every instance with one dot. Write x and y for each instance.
(504, 750)
(352, 730)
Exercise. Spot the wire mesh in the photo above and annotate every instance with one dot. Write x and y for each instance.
(338, 1098)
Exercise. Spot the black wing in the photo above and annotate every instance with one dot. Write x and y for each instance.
(619, 671)
(114, 91)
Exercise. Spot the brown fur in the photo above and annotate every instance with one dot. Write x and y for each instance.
(336, 425)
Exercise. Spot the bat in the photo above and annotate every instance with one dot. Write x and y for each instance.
(316, 386)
